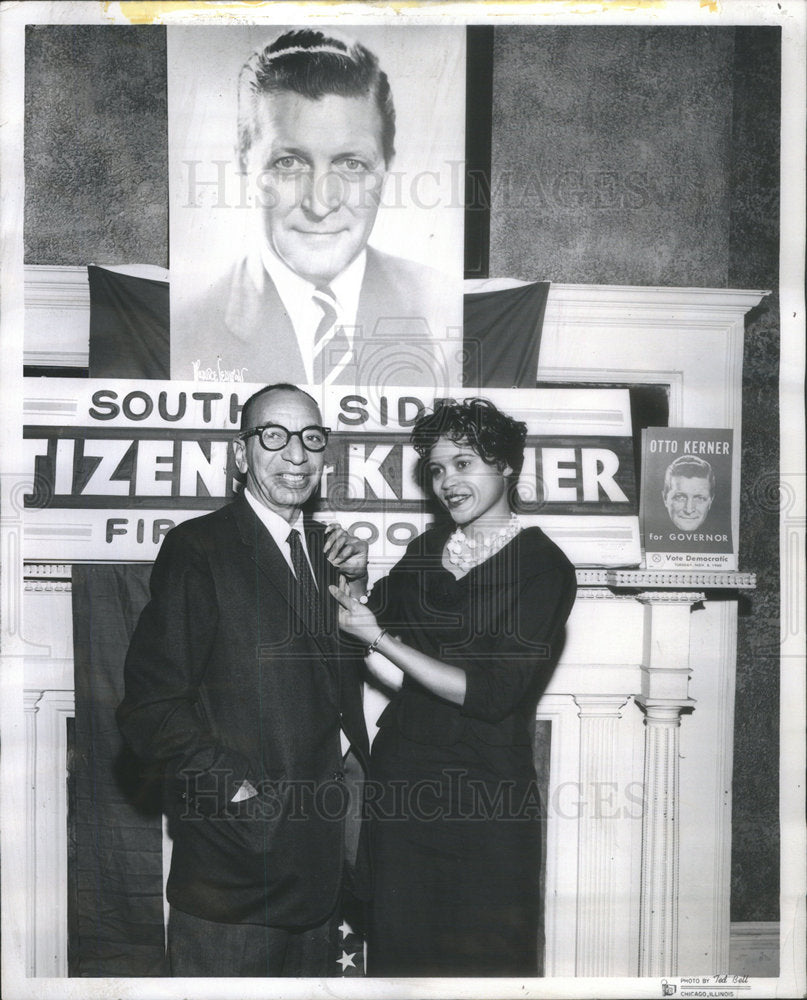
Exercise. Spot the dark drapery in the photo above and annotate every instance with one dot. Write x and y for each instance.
(129, 325)
(117, 923)
(502, 335)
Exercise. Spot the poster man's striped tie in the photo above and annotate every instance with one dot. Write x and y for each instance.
(331, 346)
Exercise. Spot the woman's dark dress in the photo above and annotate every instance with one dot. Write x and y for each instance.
(455, 816)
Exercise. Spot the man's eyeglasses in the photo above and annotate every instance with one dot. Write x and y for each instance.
(273, 437)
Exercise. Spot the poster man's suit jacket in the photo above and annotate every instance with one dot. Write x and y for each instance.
(225, 682)
(408, 329)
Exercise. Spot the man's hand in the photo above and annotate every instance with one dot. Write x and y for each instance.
(346, 552)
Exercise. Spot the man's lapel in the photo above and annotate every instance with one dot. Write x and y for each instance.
(366, 364)
(270, 561)
(392, 340)
(256, 315)
(376, 299)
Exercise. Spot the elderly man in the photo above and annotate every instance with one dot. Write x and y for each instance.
(689, 488)
(237, 679)
(312, 302)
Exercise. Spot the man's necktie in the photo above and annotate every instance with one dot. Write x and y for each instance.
(305, 579)
(331, 345)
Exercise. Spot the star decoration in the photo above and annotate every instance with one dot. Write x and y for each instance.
(345, 928)
(346, 961)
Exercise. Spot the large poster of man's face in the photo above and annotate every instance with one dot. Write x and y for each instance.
(316, 204)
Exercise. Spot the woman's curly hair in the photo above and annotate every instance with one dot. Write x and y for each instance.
(495, 437)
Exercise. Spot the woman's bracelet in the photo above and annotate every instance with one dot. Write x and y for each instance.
(374, 644)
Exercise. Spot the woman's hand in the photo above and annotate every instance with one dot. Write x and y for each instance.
(355, 618)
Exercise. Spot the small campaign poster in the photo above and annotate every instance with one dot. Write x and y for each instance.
(686, 498)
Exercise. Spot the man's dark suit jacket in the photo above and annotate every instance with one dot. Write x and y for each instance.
(224, 682)
(408, 329)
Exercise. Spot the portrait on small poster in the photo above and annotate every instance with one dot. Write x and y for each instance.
(686, 498)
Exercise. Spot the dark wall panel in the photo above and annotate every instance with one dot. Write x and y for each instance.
(96, 150)
(754, 263)
(611, 149)
(754, 187)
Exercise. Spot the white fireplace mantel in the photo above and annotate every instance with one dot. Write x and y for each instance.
(641, 736)
(641, 703)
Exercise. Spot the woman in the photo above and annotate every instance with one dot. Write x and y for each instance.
(472, 615)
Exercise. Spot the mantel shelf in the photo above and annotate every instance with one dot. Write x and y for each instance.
(657, 579)
(617, 579)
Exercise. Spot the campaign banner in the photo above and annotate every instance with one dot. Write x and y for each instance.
(686, 498)
(114, 466)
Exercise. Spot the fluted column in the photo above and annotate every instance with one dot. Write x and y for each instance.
(53, 709)
(658, 922)
(30, 700)
(597, 946)
(665, 695)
